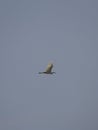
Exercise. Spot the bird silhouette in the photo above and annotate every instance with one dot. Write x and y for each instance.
(48, 69)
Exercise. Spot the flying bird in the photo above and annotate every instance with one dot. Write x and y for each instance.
(48, 69)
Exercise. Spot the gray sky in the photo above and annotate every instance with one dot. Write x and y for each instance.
(34, 33)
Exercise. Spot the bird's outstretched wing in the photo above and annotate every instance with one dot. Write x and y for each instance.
(49, 68)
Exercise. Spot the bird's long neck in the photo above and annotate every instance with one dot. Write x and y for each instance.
(41, 72)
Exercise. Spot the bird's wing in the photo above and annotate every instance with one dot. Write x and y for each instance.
(49, 68)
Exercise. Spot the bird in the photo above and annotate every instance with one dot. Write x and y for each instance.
(48, 69)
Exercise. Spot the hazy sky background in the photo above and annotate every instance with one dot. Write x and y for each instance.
(34, 33)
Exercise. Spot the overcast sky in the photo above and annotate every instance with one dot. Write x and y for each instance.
(34, 33)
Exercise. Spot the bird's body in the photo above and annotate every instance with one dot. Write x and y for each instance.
(48, 69)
